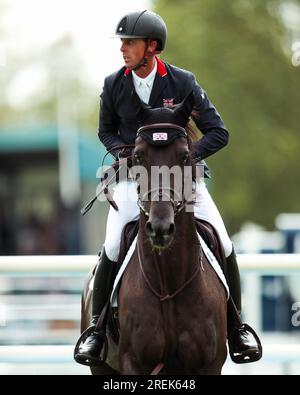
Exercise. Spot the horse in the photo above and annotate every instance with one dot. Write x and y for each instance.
(172, 308)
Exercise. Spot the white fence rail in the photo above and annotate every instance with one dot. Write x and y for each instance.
(60, 264)
(48, 264)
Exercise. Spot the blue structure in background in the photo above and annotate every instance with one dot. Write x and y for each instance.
(21, 151)
(276, 298)
(44, 140)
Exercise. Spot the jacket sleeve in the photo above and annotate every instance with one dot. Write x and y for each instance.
(208, 120)
(108, 119)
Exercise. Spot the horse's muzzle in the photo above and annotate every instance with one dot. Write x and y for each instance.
(160, 233)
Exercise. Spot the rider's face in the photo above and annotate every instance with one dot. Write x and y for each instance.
(133, 51)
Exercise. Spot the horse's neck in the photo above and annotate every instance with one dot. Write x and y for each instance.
(177, 263)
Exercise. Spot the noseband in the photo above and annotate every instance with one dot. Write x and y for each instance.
(162, 134)
(160, 192)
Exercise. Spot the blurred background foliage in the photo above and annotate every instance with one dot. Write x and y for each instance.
(240, 52)
(56, 72)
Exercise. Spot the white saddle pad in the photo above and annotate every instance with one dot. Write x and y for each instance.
(114, 295)
(209, 255)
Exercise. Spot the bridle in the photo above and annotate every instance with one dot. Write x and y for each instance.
(162, 134)
(178, 206)
(177, 131)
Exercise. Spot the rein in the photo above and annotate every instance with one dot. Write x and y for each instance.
(161, 297)
(106, 182)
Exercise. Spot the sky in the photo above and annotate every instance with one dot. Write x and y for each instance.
(32, 25)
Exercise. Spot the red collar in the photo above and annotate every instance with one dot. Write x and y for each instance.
(161, 68)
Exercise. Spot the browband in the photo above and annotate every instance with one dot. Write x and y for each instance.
(161, 133)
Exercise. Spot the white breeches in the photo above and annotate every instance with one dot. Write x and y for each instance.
(125, 195)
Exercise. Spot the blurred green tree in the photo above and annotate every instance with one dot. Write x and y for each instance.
(239, 52)
(35, 83)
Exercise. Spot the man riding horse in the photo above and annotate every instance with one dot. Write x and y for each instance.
(143, 36)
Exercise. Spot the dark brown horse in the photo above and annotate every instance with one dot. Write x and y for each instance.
(172, 306)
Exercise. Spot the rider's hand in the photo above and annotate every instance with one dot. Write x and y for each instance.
(195, 155)
(125, 156)
(124, 153)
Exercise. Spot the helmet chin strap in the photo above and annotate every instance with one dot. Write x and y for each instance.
(144, 61)
(142, 64)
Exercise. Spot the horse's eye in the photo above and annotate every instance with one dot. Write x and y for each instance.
(137, 158)
(185, 158)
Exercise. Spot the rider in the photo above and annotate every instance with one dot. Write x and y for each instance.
(143, 36)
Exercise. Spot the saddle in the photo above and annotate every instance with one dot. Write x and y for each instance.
(213, 241)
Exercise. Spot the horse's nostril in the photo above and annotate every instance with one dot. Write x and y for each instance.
(149, 229)
(171, 229)
(160, 231)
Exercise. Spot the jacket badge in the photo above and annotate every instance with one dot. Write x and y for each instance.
(168, 102)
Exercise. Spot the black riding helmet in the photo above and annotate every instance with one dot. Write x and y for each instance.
(145, 24)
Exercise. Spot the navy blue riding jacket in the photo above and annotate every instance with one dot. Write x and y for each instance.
(117, 121)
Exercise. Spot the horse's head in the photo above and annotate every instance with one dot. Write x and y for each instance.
(161, 149)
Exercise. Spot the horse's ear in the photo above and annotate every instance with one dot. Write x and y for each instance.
(142, 111)
(184, 109)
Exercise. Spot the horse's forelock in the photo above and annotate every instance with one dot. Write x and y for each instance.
(160, 115)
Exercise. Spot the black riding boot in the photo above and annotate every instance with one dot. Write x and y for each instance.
(241, 348)
(91, 349)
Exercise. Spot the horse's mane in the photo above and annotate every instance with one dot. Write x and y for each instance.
(193, 132)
